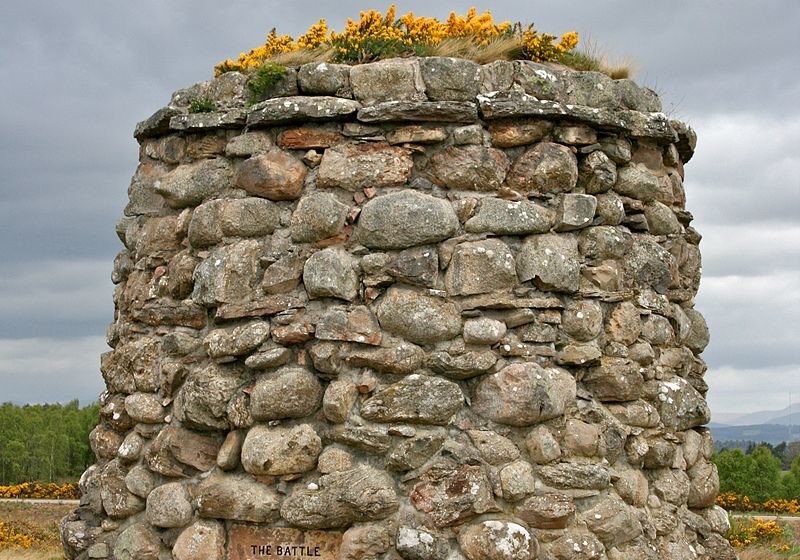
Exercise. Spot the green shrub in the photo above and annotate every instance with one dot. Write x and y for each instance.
(757, 475)
(202, 105)
(263, 80)
(369, 49)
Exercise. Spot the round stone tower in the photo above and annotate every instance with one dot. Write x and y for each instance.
(418, 309)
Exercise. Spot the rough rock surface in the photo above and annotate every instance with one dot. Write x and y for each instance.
(551, 261)
(356, 166)
(405, 219)
(442, 494)
(418, 309)
(479, 267)
(524, 394)
(290, 392)
(275, 175)
(279, 451)
(331, 273)
(342, 498)
(201, 540)
(169, 505)
(318, 216)
(415, 399)
(505, 217)
(418, 318)
(469, 168)
(546, 168)
(237, 497)
(502, 540)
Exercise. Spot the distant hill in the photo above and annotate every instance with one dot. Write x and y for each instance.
(781, 416)
(770, 433)
(717, 425)
(724, 417)
(792, 419)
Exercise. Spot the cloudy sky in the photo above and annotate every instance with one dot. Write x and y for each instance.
(77, 76)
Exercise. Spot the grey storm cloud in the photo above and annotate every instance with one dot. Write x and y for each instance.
(78, 75)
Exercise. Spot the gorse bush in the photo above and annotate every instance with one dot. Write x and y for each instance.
(738, 502)
(749, 531)
(37, 491)
(11, 537)
(376, 36)
(754, 531)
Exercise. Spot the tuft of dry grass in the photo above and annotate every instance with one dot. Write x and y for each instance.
(502, 48)
(591, 57)
(619, 72)
(759, 553)
(31, 554)
(302, 56)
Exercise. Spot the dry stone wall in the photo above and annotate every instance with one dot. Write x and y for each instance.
(418, 309)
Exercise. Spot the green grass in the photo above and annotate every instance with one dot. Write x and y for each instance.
(263, 80)
(202, 105)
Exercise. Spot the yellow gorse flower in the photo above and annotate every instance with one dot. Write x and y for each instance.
(34, 490)
(316, 35)
(568, 41)
(274, 44)
(757, 531)
(481, 28)
(737, 502)
(20, 536)
(542, 47)
(13, 538)
(426, 31)
(375, 35)
(752, 531)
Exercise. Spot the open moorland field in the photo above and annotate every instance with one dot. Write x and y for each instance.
(767, 552)
(38, 520)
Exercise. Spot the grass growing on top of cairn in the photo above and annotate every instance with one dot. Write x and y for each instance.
(376, 36)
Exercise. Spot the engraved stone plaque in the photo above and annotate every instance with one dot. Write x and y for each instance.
(248, 542)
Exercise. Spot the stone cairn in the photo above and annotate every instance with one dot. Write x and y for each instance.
(417, 309)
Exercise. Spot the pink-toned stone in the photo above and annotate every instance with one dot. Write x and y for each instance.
(356, 166)
(275, 175)
(474, 168)
(306, 137)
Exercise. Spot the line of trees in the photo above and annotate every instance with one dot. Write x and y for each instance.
(757, 474)
(45, 443)
(787, 452)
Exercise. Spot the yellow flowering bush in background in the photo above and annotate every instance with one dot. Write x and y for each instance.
(736, 502)
(746, 531)
(12, 538)
(781, 506)
(34, 490)
(751, 531)
(375, 36)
